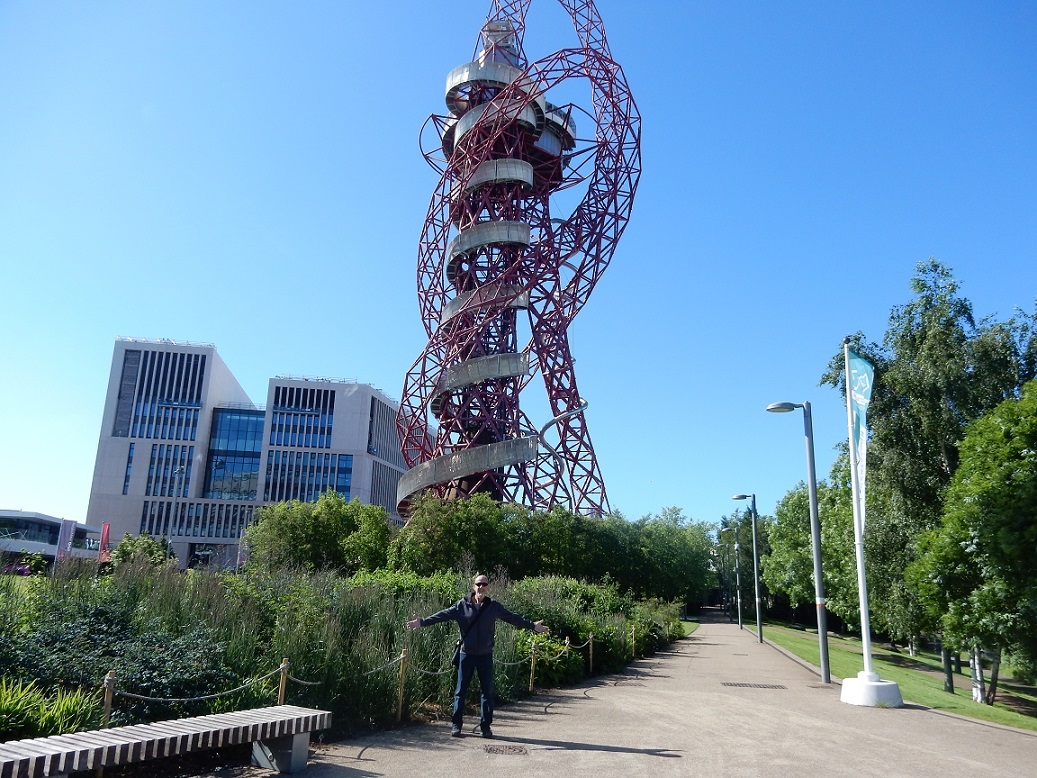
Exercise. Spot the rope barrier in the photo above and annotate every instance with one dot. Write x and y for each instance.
(110, 691)
(515, 664)
(560, 654)
(133, 696)
(304, 683)
(433, 672)
(390, 663)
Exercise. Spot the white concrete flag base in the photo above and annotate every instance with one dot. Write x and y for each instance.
(869, 690)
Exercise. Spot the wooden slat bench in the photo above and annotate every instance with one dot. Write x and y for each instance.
(280, 738)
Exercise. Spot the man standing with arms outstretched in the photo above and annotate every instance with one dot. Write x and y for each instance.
(476, 616)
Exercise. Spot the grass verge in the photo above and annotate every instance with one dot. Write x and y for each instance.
(920, 678)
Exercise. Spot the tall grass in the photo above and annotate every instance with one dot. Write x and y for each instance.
(187, 635)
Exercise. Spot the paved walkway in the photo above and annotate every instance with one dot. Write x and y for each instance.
(716, 704)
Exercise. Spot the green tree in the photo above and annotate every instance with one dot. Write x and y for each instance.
(835, 507)
(975, 572)
(788, 564)
(142, 548)
(937, 369)
(366, 549)
(317, 536)
(675, 557)
(454, 534)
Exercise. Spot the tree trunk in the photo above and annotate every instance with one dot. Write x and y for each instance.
(976, 665)
(912, 646)
(948, 670)
(956, 661)
(995, 667)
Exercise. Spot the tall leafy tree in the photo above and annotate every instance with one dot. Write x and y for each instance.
(788, 567)
(976, 571)
(937, 369)
(142, 548)
(454, 534)
(835, 508)
(675, 557)
(317, 536)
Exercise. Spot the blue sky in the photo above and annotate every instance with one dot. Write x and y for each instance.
(248, 175)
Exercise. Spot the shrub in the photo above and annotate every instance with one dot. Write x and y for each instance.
(20, 704)
(27, 711)
(70, 711)
(180, 635)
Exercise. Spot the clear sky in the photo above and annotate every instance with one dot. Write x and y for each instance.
(247, 174)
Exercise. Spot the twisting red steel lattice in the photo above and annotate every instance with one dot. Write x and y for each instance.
(492, 254)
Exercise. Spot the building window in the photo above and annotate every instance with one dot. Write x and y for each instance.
(129, 467)
(232, 464)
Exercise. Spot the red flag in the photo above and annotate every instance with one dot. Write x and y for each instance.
(105, 554)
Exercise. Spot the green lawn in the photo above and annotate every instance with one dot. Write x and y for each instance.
(845, 660)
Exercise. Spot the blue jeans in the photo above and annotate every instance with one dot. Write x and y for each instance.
(483, 665)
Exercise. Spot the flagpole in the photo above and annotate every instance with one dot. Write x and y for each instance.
(867, 688)
(858, 520)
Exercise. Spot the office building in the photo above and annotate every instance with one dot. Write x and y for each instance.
(185, 454)
(26, 532)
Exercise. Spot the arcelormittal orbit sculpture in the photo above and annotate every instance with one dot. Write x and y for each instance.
(500, 276)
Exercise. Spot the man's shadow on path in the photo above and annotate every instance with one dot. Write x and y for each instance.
(568, 745)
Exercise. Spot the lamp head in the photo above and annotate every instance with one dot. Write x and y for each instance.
(741, 497)
(783, 407)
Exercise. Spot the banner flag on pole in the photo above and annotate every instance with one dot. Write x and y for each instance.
(859, 383)
(105, 552)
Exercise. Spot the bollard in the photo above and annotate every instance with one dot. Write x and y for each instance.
(591, 670)
(566, 649)
(109, 692)
(399, 696)
(284, 681)
(633, 643)
(533, 666)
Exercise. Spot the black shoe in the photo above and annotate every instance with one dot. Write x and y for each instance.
(455, 732)
(486, 731)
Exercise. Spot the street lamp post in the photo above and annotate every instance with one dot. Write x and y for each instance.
(738, 574)
(725, 598)
(756, 562)
(815, 531)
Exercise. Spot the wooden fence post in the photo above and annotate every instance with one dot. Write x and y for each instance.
(633, 642)
(284, 681)
(533, 666)
(109, 693)
(591, 672)
(399, 696)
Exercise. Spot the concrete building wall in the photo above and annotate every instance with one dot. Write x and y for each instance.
(160, 406)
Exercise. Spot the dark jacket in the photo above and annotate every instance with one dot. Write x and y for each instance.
(479, 638)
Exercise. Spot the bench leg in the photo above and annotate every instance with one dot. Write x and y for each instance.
(285, 754)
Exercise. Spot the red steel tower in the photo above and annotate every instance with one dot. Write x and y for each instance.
(500, 276)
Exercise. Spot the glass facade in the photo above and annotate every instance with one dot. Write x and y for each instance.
(209, 458)
(302, 417)
(29, 530)
(232, 464)
(195, 520)
(305, 475)
(166, 392)
(169, 470)
(129, 469)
